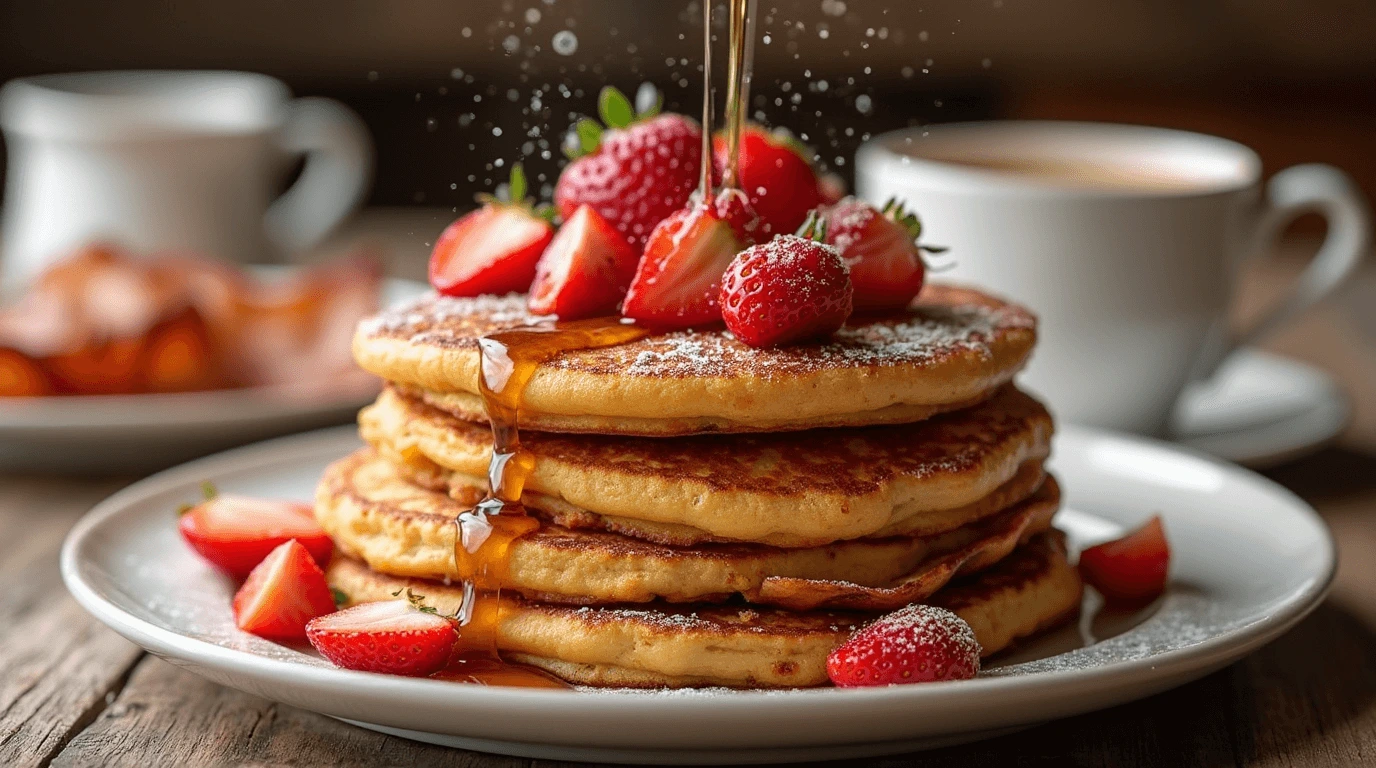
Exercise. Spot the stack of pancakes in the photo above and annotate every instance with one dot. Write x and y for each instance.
(712, 514)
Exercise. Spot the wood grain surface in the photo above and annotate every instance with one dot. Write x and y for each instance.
(72, 693)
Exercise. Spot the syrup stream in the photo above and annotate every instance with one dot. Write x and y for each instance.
(705, 184)
(739, 70)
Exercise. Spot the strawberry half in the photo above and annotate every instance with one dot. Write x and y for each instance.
(788, 289)
(585, 271)
(774, 172)
(493, 249)
(284, 592)
(636, 172)
(916, 644)
(237, 532)
(394, 637)
(678, 282)
(880, 247)
(1132, 569)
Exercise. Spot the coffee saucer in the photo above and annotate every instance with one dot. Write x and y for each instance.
(1261, 410)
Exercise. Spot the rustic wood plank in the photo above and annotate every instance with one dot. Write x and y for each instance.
(57, 664)
(172, 717)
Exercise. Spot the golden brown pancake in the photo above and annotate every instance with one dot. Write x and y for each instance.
(952, 348)
(662, 645)
(792, 489)
(398, 528)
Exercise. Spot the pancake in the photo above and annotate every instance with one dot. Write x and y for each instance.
(952, 348)
(791, 489)
(401, 529)
(737, 646)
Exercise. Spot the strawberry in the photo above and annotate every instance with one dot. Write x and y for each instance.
(774, 172)
(916, 644)
(678, 282)
(788, 289)
(881, 249)
(282, 593)
(495, 248)
(642, 168)
(237, 532)
(585, 270)
(394, 637)
(1131, 569)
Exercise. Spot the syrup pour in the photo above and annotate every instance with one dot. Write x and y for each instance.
(485, 533)
(739, 70)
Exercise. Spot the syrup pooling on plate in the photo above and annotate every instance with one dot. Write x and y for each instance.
(509, 359)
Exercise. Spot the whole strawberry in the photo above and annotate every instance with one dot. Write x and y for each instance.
(880, 247)
(774, 172)
(789, 289)
(635, 173)
(916, 644)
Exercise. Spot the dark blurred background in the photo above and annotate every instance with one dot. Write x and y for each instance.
(449, 87)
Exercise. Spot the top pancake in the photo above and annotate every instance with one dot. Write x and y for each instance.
(951, 349)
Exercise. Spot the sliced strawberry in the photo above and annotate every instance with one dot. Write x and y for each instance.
(21, 376)
(585, 270)
(635, 173)
(916, 644)
(788, 289)
(392, 637)
(881, 249)
(237, 532)
(282, 593)
(493, 249)
(678, 282)
(1132, 569)
(776, 175)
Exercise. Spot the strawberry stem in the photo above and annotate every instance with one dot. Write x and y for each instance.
(814, 227)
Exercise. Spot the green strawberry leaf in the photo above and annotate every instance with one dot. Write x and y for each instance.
(340, 598)
(615, 108)
(589, 134)
(516, 191)
(208, 490)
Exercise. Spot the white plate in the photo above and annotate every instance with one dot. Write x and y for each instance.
(1261, 410)
(124, 433)
(1250, 560)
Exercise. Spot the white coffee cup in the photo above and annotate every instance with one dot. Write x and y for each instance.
(172, 160)
(1125, 240)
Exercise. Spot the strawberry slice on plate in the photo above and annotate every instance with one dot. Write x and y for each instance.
(237, 532)
(1130, 570)
(585, 271)
(637, 171)
(775, 173)
(678, 282)
(916, 644)
(495, 248)
(395, 637)
(284, 592)
(880, 247)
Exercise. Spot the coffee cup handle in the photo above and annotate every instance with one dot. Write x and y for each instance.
(1300, 189)
(339, 166)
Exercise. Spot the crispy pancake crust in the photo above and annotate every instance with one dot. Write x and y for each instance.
(742, 647)
(794, 489)
(952, 348)
(399, 528)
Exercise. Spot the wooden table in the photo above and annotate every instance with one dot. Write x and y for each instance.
(74, 693)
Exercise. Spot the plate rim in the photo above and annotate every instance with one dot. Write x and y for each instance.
(1101, 682)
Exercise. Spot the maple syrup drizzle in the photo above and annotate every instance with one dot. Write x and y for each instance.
(485, 534)
(739, 69)
(705, 182)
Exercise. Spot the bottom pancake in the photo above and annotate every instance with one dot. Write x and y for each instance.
(735, 646)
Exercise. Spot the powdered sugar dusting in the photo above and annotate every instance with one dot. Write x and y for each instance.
(915, 644)
(948, 322)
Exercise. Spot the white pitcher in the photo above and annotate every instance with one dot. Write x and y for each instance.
(172, 160)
